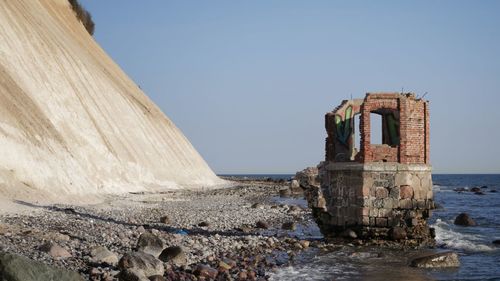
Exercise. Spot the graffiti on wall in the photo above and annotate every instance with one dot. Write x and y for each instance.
(343, 126)
(393, 128)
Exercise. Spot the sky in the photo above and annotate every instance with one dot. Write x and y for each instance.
(249, 82)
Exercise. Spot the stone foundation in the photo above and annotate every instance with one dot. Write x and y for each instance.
(373, 200)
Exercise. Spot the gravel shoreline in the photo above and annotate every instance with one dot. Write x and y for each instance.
(226, 234)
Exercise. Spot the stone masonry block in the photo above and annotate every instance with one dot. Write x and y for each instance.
(381, 193)
(406, 192)
(403, 178)
(405, 204)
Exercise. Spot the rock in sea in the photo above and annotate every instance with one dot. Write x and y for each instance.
(444, 259)
(464, 220)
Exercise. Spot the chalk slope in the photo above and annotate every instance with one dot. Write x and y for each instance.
(71, 121)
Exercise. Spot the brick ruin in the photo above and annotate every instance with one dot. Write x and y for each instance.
(376, 190)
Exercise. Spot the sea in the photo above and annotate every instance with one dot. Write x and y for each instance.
(479, 257)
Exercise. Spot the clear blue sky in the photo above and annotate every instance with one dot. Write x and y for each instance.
(249, 82)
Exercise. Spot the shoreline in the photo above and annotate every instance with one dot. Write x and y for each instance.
(225, 234)
(211, 226)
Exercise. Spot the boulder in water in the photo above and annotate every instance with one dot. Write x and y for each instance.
(438, 260)
(496, 242)
(464, 220)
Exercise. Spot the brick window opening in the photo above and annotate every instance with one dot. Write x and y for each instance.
(384, 127)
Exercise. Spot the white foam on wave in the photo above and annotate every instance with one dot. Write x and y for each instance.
(445, 235)
(317, 270)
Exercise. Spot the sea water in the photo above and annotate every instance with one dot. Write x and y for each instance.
(480, 259)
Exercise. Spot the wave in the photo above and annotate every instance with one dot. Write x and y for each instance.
(449, 238)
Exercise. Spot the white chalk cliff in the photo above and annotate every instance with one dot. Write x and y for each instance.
(71, 121)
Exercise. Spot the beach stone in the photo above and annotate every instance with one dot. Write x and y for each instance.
(150, 243)
(54, 250)
(203, 270)
(131, 274)
(484, 186)
(18, 268)
(295, 186)
(289, 226)
(141, 261)
(285, 192)
(257, 206)
(294, 209)
(444, 259)
(242, 275)
(479, 193)
(397, 233)
(103, 255)
(262, 224)
(224, 266)
(157, 278)
(493, 190)
(349, 233)
(204, 224)
(496, 242)
(304, 243)
(165, 220)
(464, 220)
(174, 254)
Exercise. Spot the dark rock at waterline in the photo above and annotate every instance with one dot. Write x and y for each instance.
(397, 233)
(17, 268)
(437, 206)
(444, 259)
(496, 242)
(479, 193)
(484, 186)
(289, 225)
(464, 220)
(285, 192)
(262, 224)
(475, 189)
(493, 190)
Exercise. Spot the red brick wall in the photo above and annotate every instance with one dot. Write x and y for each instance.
(414, 145)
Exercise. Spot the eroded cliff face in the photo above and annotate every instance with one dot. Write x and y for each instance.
(71, 121)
